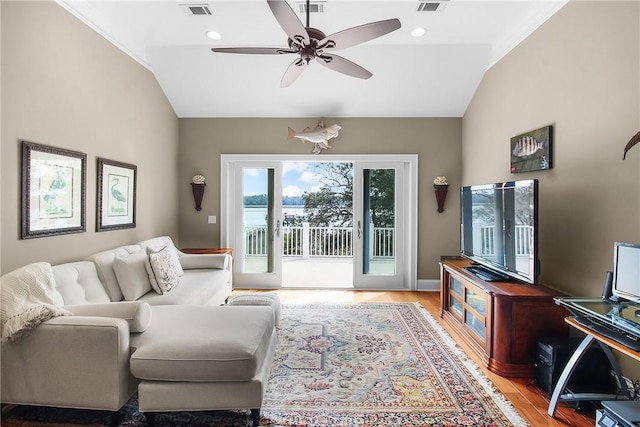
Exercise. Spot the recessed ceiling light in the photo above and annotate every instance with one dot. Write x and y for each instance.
(214, 35)
(418, 32)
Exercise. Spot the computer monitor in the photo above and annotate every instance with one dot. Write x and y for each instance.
(626, 272)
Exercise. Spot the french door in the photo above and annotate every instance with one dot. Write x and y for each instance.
(379, 217)
(384, 213)
(254, 223)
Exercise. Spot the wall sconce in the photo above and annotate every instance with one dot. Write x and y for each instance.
(197, 187)
(441, 188)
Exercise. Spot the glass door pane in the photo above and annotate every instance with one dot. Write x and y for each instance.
(258, 223)
(257, 214)
(378, 221)
(379, 233)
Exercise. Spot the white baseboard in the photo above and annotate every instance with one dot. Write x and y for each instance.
(430, 285)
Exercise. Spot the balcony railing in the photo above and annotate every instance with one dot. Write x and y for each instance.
(307, 241)
(523, 240)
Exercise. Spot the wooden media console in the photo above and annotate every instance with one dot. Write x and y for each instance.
(500, 321)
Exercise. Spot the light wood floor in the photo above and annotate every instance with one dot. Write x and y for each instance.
(531, 402)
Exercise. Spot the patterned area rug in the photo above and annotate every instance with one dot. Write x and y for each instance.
(382, 364)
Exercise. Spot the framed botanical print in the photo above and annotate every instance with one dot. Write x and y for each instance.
(116, 208)
(53, 191)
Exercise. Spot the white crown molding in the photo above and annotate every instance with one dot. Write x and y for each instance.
(503, 47)
(67, 5)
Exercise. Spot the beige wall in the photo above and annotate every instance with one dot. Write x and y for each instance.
(436, 141)
(579, 72)
(66, 86)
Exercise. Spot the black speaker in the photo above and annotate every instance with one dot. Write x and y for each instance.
(591, 374)
(608, 283)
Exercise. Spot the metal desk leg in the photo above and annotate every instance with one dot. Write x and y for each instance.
(616, 369)
(568, 370)
(558, 396)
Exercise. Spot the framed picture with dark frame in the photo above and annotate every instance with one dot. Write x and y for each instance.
(531, 151)
(116, 195)
(53, 190)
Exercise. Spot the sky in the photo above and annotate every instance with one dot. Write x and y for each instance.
(298, 177)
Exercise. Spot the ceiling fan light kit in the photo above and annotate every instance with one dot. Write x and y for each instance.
(311, 43)
(418, 32)
(214, 35)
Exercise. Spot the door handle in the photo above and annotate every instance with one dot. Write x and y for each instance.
(359, 229)
(277, 232)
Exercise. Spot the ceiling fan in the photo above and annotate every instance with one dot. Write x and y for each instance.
(310, 43)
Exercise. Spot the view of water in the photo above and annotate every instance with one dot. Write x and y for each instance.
(256, 216)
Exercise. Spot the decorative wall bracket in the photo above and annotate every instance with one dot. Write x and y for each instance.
(441, 187)
(198, 192)
(441, 195)
(197, 187)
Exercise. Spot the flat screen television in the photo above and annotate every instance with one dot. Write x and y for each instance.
(499, 230)
(626, 272)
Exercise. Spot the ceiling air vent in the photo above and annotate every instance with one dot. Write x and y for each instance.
(431, 6)
(314, 7)
(196, 9)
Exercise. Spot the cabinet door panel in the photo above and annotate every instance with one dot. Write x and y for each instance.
(476, 301)
(456, 287)
(456, 305)
(476, 325)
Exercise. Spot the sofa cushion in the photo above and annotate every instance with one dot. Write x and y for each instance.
(158, 243)
(164, 269)
(208, 344)
(136, 313)
(104, 266)
(132, 274)
(196, 287)
(78, 283)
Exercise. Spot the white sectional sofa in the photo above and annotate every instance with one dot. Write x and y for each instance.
(181, 349)
(207, 279)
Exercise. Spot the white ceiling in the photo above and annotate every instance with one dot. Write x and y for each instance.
(432, 76)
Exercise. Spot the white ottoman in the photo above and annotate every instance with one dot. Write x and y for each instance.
(200, 358)
(269, 299)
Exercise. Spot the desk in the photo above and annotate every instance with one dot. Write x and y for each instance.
(592, 337)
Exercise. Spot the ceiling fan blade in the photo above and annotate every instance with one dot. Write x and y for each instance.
(360, 34)
(344, 66)
(289, 21)
(293, 72)
(253, 50)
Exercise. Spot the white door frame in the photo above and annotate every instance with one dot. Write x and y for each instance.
(229, 186)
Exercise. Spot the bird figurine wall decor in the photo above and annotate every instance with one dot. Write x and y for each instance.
(319, 136)
(633, 141)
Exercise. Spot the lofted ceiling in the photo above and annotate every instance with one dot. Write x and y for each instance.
(434, 75)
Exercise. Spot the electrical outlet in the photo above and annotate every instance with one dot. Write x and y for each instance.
(211, 219)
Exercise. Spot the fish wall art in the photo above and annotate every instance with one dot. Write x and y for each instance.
(319, 136)
(531, 151)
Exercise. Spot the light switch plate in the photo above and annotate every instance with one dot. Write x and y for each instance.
(211, 219)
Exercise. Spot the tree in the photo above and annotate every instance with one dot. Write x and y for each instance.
(333, 203)
(382, 197)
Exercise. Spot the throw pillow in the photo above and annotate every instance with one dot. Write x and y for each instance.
(163, 269)
(132, 276)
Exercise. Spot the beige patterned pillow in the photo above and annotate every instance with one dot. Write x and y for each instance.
(164, 270)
